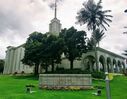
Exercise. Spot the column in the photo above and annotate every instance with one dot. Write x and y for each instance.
(116, 67)
(20, 58)
(19, 55)
(17, 60)
(105, 67)
(97, 65)
(11, 59)
(91, 66)
(112, 67)
(8, 69)
(124, 69)
(14, 61)
(24, 66)
(6, 64)
(120, 68)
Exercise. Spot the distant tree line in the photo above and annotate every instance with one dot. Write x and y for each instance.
(1, 65)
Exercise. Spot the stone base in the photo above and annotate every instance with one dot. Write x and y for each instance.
(65, 81)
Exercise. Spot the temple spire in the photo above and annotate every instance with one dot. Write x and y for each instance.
(55, 9)
(55, 25)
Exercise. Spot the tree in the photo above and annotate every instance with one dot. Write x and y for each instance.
(42, 49)
(52, 48)
(93, 15)
(97, 36)
(32, 49)
(1, 66)
(75, 44)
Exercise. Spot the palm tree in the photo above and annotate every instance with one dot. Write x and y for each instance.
(97, 36)
(93, 15)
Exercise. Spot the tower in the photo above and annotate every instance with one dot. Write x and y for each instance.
(55, 25)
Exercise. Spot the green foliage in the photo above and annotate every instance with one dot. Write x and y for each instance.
(75, 43)
(1, 66)
(51, 50)
(32, 49)
(69, 71)
(93, 15)
(43, 49)
(99, 75)
(97, 36)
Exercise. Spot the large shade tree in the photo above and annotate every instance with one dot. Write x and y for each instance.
(43, 50)
(32, 55)
(94, 17)
(51, 51)
(75, 44)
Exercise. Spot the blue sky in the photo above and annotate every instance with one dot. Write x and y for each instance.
(19, 18)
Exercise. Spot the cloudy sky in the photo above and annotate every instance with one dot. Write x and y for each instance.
(19, 18)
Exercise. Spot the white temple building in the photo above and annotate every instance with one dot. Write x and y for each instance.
(13, 63)
(106, 60)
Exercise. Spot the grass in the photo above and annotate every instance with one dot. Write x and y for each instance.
(13, 87)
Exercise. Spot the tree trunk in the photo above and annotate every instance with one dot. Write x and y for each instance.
(71, 64)
(52, 66)
(96, 58)
(36, 69)
(95, 50)
(46, 68)
(98, 44)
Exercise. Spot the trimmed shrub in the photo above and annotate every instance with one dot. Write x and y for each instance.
(69, 71)
(59, 68)
(15, 73)
(99, 75)
(22, 72)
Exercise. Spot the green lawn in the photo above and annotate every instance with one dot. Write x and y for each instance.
(12, 87)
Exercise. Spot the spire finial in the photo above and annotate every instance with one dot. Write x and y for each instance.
(55, 8)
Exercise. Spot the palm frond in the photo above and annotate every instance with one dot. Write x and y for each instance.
(93, 15)
(106, 11)
(102, 25)
(97, 35)
(106, 23)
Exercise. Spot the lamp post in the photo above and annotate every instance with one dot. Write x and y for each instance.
(108, 93)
